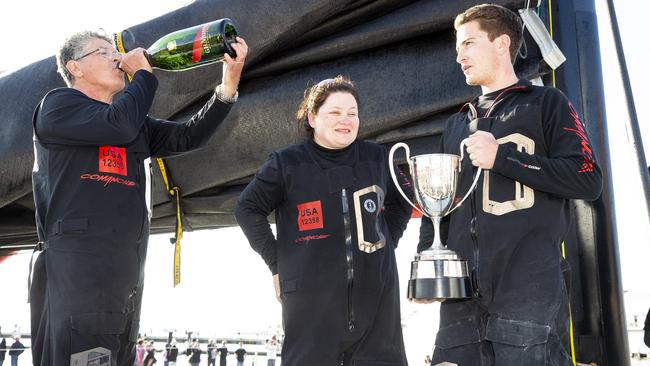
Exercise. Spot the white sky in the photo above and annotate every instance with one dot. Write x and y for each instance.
(225, 286)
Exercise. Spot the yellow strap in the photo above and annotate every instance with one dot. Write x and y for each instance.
(120, 47)
(573, 348)
(163, 171)
(550, 30)
(175, 193)
(571, 340)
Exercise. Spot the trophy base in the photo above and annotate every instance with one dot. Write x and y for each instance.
(438, 274)
(440, 288)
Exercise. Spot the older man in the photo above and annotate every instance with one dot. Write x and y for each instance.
(89, 184)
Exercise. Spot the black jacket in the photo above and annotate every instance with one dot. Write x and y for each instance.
(223, 353)
(303, 184)
(151, 356)
(89, 181)
(89, 157)
(16, 349)
(339, 217)
(519, 212)
(209, 351)
(240, 354)
(194, 354)
(172, 352)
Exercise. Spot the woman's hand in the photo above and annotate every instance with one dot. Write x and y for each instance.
(276, 285)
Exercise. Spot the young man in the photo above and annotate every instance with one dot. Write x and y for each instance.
(89, 183)
(194, 353)
(271, 351)
(16, 350)
(171, 353)
(211, 352)
(240, 353)
(536, 157)
(223, 353)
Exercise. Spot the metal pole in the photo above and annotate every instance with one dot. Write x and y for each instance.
(602, 325)
(632, 124)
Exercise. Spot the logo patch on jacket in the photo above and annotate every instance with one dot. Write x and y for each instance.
(112, 160)
(370, 205)
(310, 216)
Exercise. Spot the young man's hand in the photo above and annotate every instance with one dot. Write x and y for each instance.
(482, 149)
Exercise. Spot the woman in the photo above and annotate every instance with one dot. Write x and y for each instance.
(194, 353)
(338, 218)
(171, 353)
(140, 353)
(150, 359)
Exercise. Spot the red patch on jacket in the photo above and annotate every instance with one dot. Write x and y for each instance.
(310, 216)
(112, 160)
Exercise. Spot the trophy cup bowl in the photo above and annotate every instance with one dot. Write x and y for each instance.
(437, 273)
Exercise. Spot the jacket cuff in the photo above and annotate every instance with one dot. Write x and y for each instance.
(147, 78)
(274, 268)
(224, 98)
(501, 160)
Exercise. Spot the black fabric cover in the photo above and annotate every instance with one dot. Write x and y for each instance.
(400, 54)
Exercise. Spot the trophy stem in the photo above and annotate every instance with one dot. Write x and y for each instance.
(437, 243)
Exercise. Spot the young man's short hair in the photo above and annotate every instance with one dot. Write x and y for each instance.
(495, 20)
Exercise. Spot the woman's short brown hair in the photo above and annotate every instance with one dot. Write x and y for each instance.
(316, 95)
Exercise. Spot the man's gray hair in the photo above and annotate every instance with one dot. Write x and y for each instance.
(72, 48)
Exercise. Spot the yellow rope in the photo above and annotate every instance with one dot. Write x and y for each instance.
(120, 47)
(163, 172)
(571, 335)
(174, 193)
(573, 348)
(179, 235)
(550, 26)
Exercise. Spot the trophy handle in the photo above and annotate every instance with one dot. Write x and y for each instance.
(391, 167)
(478, 174)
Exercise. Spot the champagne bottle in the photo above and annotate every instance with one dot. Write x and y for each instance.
(191, 47)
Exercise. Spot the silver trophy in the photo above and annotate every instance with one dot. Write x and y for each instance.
(436, 273)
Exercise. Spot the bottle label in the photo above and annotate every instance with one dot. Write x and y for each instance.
(200, 42)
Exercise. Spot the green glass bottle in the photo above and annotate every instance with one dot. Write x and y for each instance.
(191, 47)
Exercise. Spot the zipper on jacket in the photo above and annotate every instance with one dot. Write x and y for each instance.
(145, 216)
(348, 257)
(474, 220)
(139, 186)
(472, 230)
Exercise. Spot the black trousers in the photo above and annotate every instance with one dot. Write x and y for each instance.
(514, 333)
(317, 332)
(82, 298)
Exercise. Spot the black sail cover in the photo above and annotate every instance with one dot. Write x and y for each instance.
(400, 55)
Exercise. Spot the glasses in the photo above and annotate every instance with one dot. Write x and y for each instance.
(107, 54)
